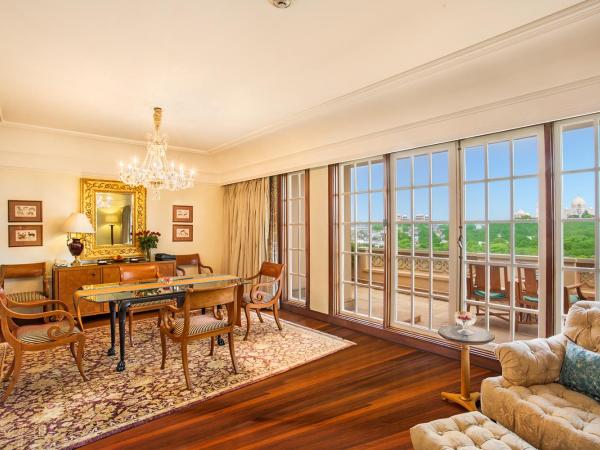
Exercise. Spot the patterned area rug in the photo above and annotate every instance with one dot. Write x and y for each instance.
(52, 407)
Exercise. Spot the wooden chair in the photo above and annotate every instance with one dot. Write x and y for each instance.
(527, 294)
(38, 337)
(140, 272)
(190, 260)
(476, 286)
(569, 299)
(259, 299)
(23, 271)
(193, 327)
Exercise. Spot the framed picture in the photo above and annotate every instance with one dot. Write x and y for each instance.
(25, 235)
(183, 233)
(24, 211)
(183, 214)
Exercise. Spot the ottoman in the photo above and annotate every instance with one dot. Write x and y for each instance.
(466, 431)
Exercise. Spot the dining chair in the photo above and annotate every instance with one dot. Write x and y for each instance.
(58, 331)
(141, 272)
(22, 272)
(527, 294)
(190, 260)
(180, 325)
(259, 298)
(477, 284)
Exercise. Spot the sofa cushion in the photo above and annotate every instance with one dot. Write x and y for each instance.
(583, 325)
(549, 416)
(465, 431)
(581, 370)
(537, 361)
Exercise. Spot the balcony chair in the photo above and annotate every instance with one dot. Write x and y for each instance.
(527, 292)
(140, 272)
(185, 263)
(192, 327)
(570, 298)
(476, 287)
(39, 336)
(25, 273)
(259, 299)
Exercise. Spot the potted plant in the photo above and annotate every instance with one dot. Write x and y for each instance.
(148, 240)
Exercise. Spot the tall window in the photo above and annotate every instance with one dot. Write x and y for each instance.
(295, 236)
(362, 238)
(422, 205)
(502, 211)
(577, 164)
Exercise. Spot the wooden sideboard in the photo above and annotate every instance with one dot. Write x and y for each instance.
(66, 280)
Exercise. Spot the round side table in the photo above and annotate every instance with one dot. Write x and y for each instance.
(466, 398)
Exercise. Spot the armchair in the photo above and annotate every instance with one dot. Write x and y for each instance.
(193, 327)
(259, 298)
(190, 260)
(25, 271)
(62, 330)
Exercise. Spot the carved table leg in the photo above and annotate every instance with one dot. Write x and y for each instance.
(122, 316)
(113, 319)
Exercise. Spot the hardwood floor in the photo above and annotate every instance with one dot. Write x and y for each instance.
(367, 396)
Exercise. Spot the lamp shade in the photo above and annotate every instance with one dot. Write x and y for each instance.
(78, 223)
(111, 218)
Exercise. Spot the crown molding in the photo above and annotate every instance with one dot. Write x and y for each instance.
(573, 14)
(330, 147)
(97, 137)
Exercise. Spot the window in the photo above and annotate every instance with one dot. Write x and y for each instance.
(503, 213)
(424, 210)
(294, 197)
(362, 238)
(576, 217)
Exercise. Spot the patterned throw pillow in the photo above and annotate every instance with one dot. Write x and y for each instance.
(580, 371)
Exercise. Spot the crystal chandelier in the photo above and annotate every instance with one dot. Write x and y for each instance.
(156, 173)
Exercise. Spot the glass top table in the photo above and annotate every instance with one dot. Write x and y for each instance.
(120, 296)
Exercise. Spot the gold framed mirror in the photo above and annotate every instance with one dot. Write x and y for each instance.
(117, 212)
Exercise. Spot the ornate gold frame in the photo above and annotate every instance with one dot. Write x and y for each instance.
(88, 190)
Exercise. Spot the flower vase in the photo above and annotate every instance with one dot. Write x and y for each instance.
(148, 255)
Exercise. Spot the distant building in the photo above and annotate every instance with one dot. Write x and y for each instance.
(579, 208)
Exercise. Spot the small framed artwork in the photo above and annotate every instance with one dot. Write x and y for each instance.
(183, 233)
(25, 235)
(24, 211)
(183, 214)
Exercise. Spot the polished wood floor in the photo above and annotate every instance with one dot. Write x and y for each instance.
(367, 396)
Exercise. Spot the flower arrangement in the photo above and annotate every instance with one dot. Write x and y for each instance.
(148, 240)
(465, 319)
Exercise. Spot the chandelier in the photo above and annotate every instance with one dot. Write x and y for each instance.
(156, 173)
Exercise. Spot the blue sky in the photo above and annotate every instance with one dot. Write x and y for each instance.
(578, 154)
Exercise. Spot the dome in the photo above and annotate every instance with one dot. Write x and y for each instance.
(578, 202)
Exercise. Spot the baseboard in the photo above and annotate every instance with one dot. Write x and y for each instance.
(439, 346)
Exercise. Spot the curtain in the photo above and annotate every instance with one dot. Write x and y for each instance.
(247, 226)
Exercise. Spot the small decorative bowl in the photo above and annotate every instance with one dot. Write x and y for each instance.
(465, 319)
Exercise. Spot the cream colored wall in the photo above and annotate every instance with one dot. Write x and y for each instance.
(59, 192)
(319, 240)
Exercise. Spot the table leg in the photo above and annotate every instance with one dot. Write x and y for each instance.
(113, 319)
(122, 316)
(466, 398)
(239, 292)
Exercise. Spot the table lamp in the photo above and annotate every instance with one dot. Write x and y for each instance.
(74, 226)
(112, 220)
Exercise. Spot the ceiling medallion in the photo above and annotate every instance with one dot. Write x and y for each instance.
(156, 173)
(281, 3)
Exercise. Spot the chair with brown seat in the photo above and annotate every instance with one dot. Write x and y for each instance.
(191, 260)
(39, 336)
(141, 272)
(22, 272)
(477, 284)
(527, 294)
(192, 327)
(258, 298)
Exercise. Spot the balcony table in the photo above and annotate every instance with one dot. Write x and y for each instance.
(125, 294)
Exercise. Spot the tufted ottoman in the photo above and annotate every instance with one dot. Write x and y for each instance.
(468, 431)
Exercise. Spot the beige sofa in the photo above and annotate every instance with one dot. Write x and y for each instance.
(528, 400)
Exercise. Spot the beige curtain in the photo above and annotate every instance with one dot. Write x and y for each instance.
(247, 226)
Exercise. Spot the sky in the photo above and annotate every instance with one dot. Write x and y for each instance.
(578, 153)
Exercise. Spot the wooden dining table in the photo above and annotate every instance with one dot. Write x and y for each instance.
(120, 296)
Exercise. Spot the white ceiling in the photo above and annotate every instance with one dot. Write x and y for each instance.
(221, 69)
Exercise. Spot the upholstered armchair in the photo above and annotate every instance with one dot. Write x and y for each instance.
(58, 331)
(191, 265)
(261, 296)
(23, 272)
(140, 272)
(181, 326)
(528, 399)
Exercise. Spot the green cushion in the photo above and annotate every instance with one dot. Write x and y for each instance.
(529, 298)
(573, 298)
(580, 370)
(493, 295)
